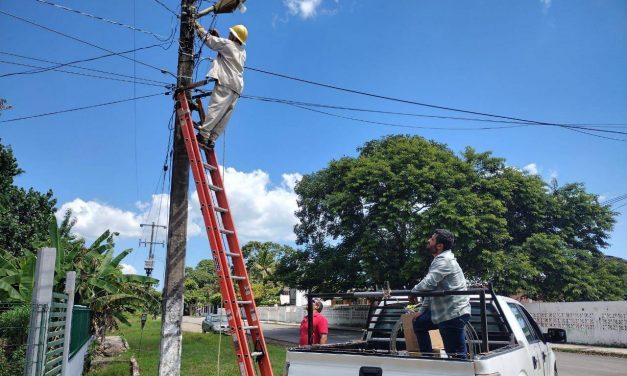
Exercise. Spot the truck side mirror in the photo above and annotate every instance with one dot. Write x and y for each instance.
(555, 335)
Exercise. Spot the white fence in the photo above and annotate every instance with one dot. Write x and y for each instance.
(355, 316)
(590, 323)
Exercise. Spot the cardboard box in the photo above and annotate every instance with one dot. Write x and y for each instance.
(411, 342)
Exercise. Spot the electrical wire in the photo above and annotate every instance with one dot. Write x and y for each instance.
(309, 104)
(168, 9)
(404, 125)
(157, 36)
(85, 42)
(163, 83)
(614, 200)
(446, 108)
(70, 63)
(83, 108)
(83, 74)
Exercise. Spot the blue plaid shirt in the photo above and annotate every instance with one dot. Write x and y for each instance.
(444, 275)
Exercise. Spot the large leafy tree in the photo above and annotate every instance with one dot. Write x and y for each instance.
(365, 219)
(24, 213)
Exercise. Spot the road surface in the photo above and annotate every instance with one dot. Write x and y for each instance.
(568, 364)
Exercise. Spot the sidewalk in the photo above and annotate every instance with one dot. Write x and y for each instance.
(593, 350)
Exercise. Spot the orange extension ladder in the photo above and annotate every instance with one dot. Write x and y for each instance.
(239, 302)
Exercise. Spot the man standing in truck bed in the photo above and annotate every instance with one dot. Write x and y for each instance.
(450, 313)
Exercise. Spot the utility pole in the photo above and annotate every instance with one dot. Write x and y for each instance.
(149, 265)
(172, 307)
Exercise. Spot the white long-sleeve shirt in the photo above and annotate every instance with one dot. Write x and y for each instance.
(444, 275)
(228, 67)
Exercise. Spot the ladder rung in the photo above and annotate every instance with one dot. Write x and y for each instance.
(250, 327)
(256, 354)
(238, 277)
(214, 187)
(220, 210)
(231, 254)
(227, 232)
(209, 167)
(244, 302)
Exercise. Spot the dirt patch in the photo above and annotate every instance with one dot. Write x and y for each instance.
(191, 327)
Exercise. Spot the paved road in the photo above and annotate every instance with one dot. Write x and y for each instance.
(291, 333)
(568, 364)
(572, 364)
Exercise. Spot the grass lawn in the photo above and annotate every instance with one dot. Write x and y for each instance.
(199, 357)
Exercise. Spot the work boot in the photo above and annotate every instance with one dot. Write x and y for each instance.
(205, 142)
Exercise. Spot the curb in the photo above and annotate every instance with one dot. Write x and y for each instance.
(590, 351)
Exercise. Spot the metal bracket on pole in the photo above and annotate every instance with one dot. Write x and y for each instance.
(224, 6)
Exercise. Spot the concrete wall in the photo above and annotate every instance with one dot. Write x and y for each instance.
(75, 364)
(337, 316)
(590, 323)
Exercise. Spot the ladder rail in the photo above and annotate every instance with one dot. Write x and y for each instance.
(240, 269)
(229, 295)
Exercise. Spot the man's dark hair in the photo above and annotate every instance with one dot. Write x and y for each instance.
(445, 238)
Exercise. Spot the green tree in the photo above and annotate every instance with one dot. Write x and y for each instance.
(23, 213)
(200, 284)
(263, 265)
(366, 219)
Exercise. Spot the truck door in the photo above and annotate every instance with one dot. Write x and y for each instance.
(542, 346)
(537, 348)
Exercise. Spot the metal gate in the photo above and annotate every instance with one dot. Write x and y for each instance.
(55, 337)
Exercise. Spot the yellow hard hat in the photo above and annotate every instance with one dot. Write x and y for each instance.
(240, 32)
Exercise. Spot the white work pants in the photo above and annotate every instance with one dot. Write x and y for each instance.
(220, 109)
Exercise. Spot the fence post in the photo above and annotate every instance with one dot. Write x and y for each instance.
(42, 297)
(70, 282)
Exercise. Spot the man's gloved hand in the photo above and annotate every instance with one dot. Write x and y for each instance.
(214, 32)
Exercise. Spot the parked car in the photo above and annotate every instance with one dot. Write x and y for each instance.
(215, 323)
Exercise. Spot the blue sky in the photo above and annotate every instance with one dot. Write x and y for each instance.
(557, 61)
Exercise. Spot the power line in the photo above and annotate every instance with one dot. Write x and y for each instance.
(168, 9)
(71, 63)
(157, 36)
(83, 74)
(308, 104)
(616, 199)
(304, 107)
(85, 42)
(82, 68)
(83, 108)
(446, 108)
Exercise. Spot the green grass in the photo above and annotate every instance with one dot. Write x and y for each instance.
(199, 356)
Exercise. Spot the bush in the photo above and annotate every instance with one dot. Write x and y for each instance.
(12, 363)
(14, 324)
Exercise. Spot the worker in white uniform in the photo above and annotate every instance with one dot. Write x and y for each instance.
(227, 70)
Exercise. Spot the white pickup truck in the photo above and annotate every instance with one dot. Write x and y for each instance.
(513, 344)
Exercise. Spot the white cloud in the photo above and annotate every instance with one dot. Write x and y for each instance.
(306, 9)
(128, 269)
(261, 211)
(303, 8)
(531, 168)
(546, 4)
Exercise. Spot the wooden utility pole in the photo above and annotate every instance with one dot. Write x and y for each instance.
(172, 314)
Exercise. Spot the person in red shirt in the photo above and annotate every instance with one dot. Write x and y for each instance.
(320, 326)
